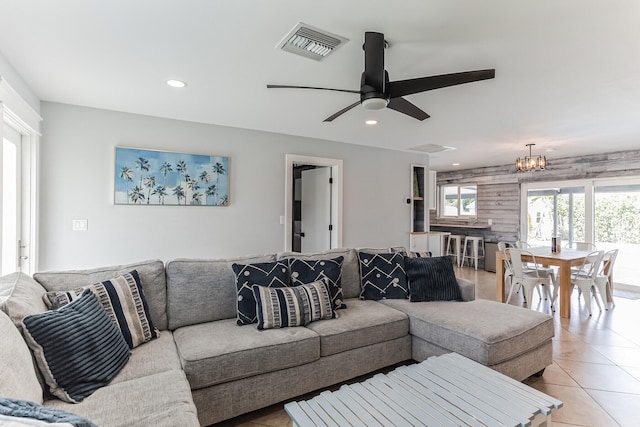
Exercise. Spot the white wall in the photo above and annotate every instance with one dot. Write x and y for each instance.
(77, 166)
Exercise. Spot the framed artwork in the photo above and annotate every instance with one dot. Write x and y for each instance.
(148, 177)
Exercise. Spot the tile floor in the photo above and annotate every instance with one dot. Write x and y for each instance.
(595, 370)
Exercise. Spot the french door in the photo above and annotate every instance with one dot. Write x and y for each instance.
(11, 217)
(605, 212)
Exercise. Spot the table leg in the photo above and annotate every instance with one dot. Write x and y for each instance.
(499, 277)
(565, 289)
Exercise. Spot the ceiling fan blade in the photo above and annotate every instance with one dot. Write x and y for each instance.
(341, 112)
(311, 87)
(422, 84)
(403, 106)
(374, 60)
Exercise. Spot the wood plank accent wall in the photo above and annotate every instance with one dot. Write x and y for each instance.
(499, 188)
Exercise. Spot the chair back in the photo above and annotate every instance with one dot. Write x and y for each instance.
(590, 266)
(515, 255)
(581, 246)
(608, 259)
(521, 244)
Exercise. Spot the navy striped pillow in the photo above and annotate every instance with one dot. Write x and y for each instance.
(123, 300)
(77, 347)
(432, 279)
(292, 306)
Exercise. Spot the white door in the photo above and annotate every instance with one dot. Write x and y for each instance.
(316, 210)
(11, 202)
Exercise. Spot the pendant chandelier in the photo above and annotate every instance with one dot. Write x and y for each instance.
(531, 163)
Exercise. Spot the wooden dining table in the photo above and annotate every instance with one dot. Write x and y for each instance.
(565, 259)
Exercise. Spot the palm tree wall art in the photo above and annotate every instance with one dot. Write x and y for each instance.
(149, 177)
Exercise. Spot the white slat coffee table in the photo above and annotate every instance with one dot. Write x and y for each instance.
(448, 390)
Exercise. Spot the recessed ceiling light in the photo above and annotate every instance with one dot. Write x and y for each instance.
(455, 164)
(176, 83)
(371, 122)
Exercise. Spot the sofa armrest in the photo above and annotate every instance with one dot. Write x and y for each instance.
(467, 289)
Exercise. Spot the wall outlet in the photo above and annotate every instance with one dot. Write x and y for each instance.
(490, 221)
(79, 225)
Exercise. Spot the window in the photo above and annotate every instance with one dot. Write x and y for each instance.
(458, 200)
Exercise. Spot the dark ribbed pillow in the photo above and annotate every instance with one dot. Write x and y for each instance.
(77, 347)
(311, 270)
(269, 274)
(432, 279)
(382, 276)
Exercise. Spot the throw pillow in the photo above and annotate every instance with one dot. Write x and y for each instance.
(411, 254)
(432, 279)
(77, 347)
(292, 306)
(269, 274)
(16, 411)
(308, 270)
(382, 276)
(124, 302)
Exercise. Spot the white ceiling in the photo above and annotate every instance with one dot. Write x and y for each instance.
(567, 72)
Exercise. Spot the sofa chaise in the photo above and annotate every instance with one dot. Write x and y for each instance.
(204, 368)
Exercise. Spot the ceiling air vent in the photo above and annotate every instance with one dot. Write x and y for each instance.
(310, 42)
(432, 148)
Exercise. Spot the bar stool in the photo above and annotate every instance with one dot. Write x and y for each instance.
(476, 243)
(454, 244)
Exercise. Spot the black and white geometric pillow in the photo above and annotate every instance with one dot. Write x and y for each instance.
(383, 276)
(269, 274)
(308, 271)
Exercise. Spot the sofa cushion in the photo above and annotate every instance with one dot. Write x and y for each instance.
(152, 279)
(156, 356)
(350, 282)
(270, 274)
(201, 290)
(383, 276)
(217, 352)
(17, 376)
(78, 348)
(432, 279)
(123, 299)
(308, 271)
(363, 323)
(153, 401)
(21, 296)
(486, 331)
(292, 306)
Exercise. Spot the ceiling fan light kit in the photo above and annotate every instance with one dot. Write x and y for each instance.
(377, 92)
(531, 163)
(375, 103)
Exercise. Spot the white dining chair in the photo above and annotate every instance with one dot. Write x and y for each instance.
(530, 278)
(604, 278)
(585, 278)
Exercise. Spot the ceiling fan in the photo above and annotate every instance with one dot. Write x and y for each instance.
(377, 92)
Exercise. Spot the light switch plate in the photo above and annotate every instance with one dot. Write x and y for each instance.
(79, 225)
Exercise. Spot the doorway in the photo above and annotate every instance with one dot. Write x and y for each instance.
(313, 203)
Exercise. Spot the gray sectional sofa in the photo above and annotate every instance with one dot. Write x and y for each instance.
(204, 368)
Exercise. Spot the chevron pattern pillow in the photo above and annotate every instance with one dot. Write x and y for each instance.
(268, 274)
(292, 306)
(382, 276)
(77, 347)
(307, 271)
(124, 302)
